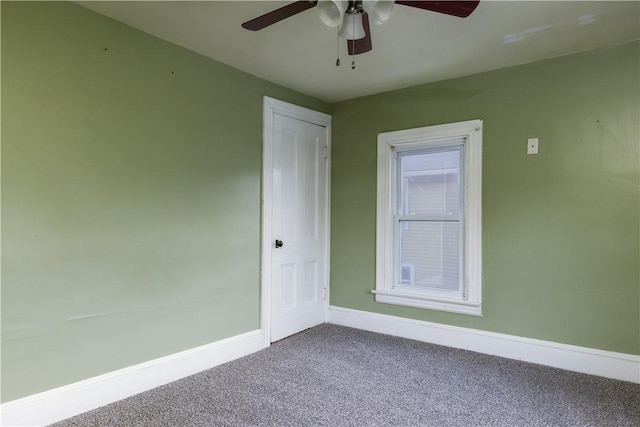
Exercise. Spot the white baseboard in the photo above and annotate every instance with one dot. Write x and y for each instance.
(60, 403)
(609, 364)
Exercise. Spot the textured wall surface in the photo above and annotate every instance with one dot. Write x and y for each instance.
(560, 229)
(131, 176)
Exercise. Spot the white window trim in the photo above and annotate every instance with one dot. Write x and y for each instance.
(388, 142)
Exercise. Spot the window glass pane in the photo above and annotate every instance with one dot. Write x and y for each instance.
(430, 183)
(432, 249)
(406, 274)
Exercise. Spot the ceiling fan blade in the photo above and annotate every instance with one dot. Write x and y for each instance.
(461, 9)
(278, 15)
(356, 47)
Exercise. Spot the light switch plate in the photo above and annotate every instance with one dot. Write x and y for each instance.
(532, 146)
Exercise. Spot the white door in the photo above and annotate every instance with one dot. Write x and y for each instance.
(298, 231)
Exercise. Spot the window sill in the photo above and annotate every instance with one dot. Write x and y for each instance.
(424, 301)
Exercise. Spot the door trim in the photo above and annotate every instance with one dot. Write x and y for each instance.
(272, 107)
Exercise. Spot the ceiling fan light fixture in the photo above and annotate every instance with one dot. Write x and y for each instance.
(378, 10)
(352, 17)
(331, 12)
(352, 27)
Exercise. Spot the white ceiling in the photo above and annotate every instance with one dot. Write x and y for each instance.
(413, 47)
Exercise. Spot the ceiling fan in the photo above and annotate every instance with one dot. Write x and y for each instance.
(352, 17)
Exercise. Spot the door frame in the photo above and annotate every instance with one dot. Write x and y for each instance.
(271, 107)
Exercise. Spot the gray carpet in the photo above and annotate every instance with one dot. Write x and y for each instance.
(336, 376)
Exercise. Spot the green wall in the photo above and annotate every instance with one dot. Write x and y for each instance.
(560, 229)
(131, 175)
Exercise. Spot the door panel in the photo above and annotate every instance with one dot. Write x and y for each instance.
(299, 203)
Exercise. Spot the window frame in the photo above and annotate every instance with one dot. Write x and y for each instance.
(387, 232)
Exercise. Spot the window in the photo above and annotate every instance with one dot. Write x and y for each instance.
(428, 240)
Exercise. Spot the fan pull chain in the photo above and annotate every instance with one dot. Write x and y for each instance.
(353, 44)
(353, 54)
(338, 48)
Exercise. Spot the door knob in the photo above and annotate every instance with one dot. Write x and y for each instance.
(279, 244)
